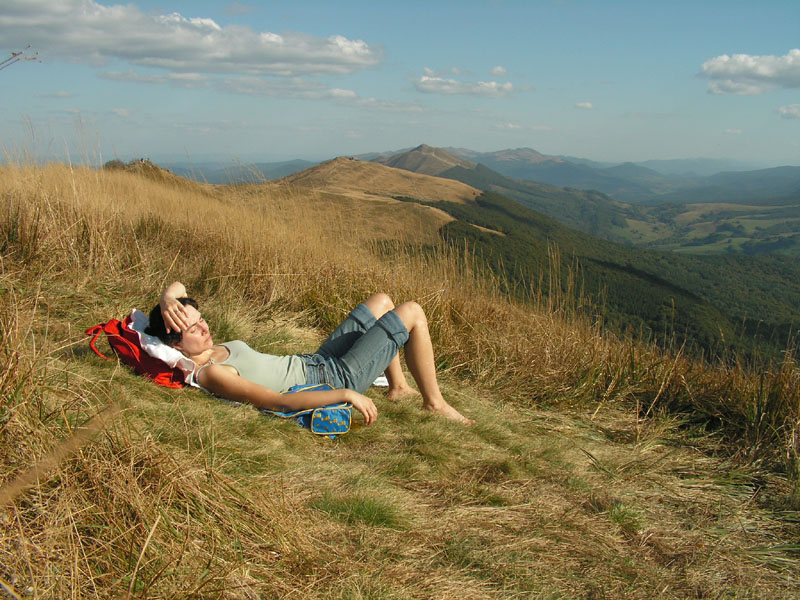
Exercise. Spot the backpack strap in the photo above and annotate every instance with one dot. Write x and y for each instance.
(95, 333)
(126, 344)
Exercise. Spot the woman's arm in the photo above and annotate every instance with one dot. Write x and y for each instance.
(172, 310)
(225, 383)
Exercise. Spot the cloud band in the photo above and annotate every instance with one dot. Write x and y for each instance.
(83, 30)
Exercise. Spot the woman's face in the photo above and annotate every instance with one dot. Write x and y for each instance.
(196, 338)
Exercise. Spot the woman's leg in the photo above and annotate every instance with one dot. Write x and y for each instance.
(379, 305)
(361, 354)
(420, 361)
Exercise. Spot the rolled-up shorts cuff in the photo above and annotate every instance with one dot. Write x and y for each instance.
(363, 315)
(394, 327)
(339, 342)
(373, 352)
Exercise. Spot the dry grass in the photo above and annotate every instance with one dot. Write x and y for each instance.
(186, 497)
(348, 175)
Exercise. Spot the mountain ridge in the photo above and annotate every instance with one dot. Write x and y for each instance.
(646, 182)
(347, 174)
(587, 211)
(426, 160)
(708, 297)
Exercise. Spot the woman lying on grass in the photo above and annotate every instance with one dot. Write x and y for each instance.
(365, 345)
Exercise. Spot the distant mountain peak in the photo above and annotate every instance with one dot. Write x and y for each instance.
(524, 154)
(426, 160)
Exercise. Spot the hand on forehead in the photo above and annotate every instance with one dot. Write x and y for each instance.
(193, 316)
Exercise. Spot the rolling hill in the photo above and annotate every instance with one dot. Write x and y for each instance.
(649, 182)
(425, 159)
(717, 304)
(704, 299)
(530, 165)
(238, 172)
(588, 211)
(372, 180)
(598, 467)
(747, 187)
(736, 212)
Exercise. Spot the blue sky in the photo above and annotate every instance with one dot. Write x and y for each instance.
(267, 81)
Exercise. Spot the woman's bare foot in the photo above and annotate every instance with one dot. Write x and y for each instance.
(399, 392)
(448, 412)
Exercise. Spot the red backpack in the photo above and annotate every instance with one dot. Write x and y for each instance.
(126, 344)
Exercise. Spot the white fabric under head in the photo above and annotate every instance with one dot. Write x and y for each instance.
(158, 349)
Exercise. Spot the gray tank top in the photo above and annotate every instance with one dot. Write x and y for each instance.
(278, 373)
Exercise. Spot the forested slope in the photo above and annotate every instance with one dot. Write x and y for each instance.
(718, 304)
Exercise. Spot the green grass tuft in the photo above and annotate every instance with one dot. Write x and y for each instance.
(360, 509)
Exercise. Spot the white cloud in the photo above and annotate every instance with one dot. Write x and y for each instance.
(342, 94)
(509, 126)
(444, 72)
(737, 88)
(498, 71)
(790, 112)
(585, 105)
(744, 74)
(123, 113)
(88, 32)
(733, 132)
(439, 85)
(294, 87)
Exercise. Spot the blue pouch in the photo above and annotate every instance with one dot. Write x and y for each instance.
(332, 420)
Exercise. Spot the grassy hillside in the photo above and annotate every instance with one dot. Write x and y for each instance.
(587, 211)
(424, 159)
(763, 225)
(348, 175)
(716, 304)
(750, 212)
(599, 467)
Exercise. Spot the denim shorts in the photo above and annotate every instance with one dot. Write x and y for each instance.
(358, 351)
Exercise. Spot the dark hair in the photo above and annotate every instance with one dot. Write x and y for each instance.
(159, 329)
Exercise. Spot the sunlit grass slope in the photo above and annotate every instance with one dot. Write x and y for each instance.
(599, 468)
